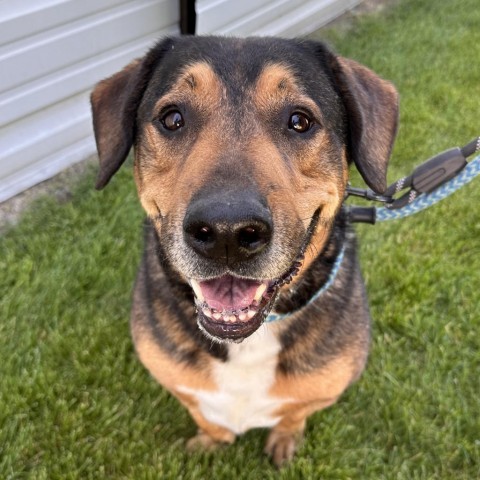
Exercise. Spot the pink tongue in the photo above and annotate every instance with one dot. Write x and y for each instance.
(229, 293)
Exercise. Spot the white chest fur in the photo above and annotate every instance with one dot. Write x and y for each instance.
(241, 401)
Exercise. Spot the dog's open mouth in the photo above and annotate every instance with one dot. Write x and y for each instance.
(232, 308)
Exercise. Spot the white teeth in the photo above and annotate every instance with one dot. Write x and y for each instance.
(229, 317)
(260, 291)
(196, 288)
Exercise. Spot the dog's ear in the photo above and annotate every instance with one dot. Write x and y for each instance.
(115, 102)
(372, 114)
(114, 106)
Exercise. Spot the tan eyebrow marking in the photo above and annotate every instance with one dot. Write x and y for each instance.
(198, 83)
(273, 78)
(190, 79)
(282, 85)
(278, 84)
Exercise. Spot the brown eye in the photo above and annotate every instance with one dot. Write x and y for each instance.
(173, 120)
(299, 122)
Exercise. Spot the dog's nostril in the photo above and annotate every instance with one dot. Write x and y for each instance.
(252, 237)
(204, 234)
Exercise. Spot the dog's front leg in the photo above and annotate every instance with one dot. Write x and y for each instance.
(209, 435)
(206, 442)
(286, 437)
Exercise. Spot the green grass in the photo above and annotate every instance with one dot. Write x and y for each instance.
(75, 403)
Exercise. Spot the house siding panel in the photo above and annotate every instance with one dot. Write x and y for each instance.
(53, 51)
(51, 54)
(287, 18)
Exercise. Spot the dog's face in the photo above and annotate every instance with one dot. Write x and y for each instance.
(242, 150)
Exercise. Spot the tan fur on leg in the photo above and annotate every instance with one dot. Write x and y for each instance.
(204, 442)
(285, 439)
(281, 446)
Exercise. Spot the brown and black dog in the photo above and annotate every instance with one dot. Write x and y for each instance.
(249, 305)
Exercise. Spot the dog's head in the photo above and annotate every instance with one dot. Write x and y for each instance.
(242, 149)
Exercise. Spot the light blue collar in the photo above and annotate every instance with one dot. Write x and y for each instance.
(273, 317)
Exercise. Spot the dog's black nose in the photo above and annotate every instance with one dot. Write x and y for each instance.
(228, 228)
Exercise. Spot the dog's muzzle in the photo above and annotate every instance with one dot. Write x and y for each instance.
(230, 231)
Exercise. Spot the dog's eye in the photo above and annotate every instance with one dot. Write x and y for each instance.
(299, 122)
(173, 120)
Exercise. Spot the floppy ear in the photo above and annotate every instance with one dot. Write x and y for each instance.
(372, 114)
(114, 107)
(115, 102)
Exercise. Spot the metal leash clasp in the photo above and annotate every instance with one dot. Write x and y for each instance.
(426, 177)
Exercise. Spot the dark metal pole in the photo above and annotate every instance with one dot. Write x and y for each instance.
(188, 17)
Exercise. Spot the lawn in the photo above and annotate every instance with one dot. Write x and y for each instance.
(75, 403)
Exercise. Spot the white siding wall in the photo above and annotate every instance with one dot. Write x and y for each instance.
(53, 51)
(287, 18)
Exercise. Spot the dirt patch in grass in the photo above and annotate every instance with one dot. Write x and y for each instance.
(60, 187)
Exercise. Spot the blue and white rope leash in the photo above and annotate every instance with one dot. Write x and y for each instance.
(428, 199)
(431, 182)
(273, 317)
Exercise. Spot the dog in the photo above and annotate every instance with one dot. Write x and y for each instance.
(249, 304)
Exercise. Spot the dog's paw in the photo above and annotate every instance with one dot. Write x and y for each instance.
(281, 446)
(204, 442)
